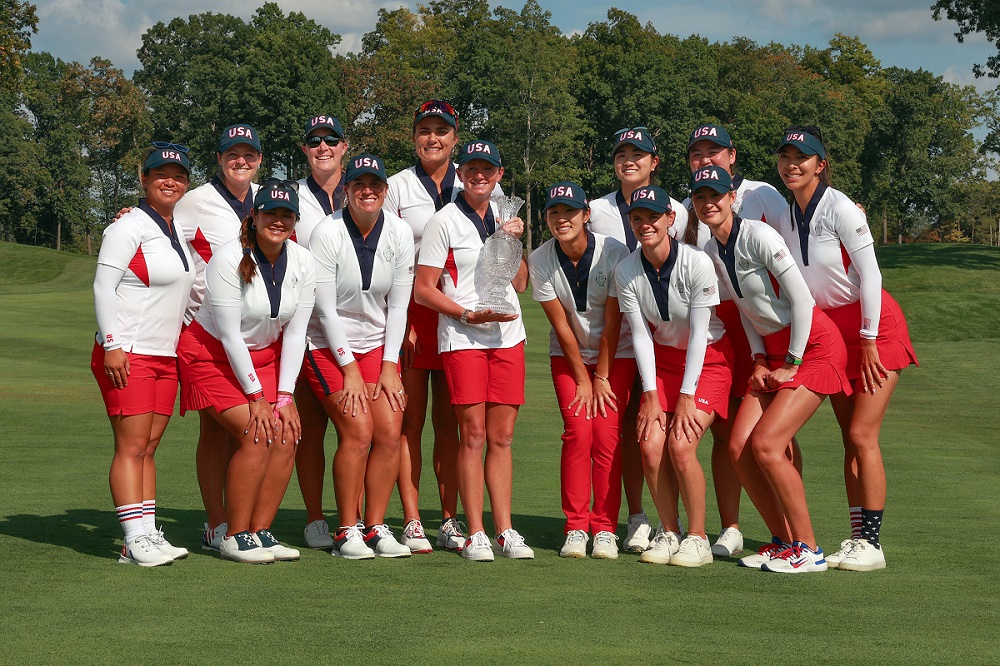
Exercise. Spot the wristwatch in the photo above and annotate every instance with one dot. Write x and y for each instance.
(792, 360)
(465, 316)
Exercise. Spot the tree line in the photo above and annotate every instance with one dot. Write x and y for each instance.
(901, 141)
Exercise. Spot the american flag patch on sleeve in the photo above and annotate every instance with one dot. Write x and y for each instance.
(780, 254)
(708, 291)
(862, 230)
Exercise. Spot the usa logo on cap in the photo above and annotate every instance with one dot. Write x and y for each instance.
(630, 134)
(324, 120)
(705, 174)
(644, 194)
(561, 191)
(280, 195)
(705, 132)
(795, 136)
(367, 161)
(477, 147)
(240, 131)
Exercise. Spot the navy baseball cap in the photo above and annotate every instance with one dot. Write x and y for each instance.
(640, 137)
(277, 193)
(236, 134)
(714, 177)
(478, 149)
(167, 153)
(566, 192)
(439, 108)
(324, 121)
(651, 198)
(708, 132)
(804, 141)
(365, 163)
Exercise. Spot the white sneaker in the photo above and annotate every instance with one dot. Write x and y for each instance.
(797, 558)
(694, 551)
(211, 539)
(729, 543)
(350, 545)
(451, 534)
(317, 535)
(605, 546)
(175, 553)
(144, 552)
(864, 556)
(477, 548)
(764, 555)
(415, 539)
(639, 532)
(281, 553)
(511, 544)
(380, 539)
(845, 547)
(576, 544)
(663, 546)
(243, 547)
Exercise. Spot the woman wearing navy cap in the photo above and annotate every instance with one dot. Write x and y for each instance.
(482, 350)
(668, 291)
(241, 357)
(144, 274)
(321, 193)
(799, 359)
(572, 276)
(415, 194)
(364, 260)
(830, 240)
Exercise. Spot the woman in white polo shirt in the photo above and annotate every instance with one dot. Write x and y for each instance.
(364, 259)
(482, 350)
(241, 357)
(144, 274)
(573, 277)
(668, 291)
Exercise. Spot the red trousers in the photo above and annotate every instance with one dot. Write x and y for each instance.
(591, 462)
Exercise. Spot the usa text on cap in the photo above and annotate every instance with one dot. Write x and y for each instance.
(715, 177)
(324, 121)
(275, 193)
(479, 150)
(236, 134)
(805, 142)
(439, 108)
(362, 164)
(566, 192)
(167, 153)
(651, 198)
(714, 133)
(636, 136)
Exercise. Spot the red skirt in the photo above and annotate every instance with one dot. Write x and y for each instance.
(824, 363)
(712, 392)
(894, 347)
(152, 384)
(424, 323)
(325, 376)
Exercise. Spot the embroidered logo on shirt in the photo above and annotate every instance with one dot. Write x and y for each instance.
(745, 264)
(602, 279)
(387, 253)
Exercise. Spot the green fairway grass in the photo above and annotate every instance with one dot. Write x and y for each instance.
(66, 601)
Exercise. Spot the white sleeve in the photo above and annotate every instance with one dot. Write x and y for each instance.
(753, 337)
(398, 300)
(391, 203)
(434, 244)
(866, 264)
(227, 322)
(793, 284)
(293, 348)
(642, 344)
(329, 319)
(699, 318)
(106, 304)
(541, 284)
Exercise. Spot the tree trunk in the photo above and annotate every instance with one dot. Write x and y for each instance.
(885, 228)
(527, 219)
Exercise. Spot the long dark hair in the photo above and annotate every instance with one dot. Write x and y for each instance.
(248, 239)
(691, 232)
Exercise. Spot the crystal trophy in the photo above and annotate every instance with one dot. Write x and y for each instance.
(500, 259)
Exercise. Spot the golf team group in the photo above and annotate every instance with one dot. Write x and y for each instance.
(351, 296)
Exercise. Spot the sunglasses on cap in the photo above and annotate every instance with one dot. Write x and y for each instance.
(278, 182)
(329, 139)
(166, 145)
(436, 106)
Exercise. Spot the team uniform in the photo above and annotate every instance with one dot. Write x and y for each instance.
(591, 455)
(144, 275)
(314, 205)
(482, 363)
(779, 315)
(609, 216)
(666, 300)
(363, 287)
(834, 250)
(247, 338)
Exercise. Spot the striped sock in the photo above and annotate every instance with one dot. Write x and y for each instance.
(855, 522)
(149, 515)
(130, 516)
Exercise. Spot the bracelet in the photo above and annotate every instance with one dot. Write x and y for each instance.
(792, 360)
(283, 400)
(256, 396)
(464, 318)
(604, 380)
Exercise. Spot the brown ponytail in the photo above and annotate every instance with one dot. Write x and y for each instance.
(248, 239)
(691, 232)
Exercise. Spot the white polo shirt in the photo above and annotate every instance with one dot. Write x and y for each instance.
(208, 220)
(153, 293)
(452, 242)
(609, 216)
(314, 205)
(689, 281)
(755, 200)
(583, 299)
(363, 309)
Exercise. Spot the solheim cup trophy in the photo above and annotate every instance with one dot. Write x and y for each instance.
(500, 258)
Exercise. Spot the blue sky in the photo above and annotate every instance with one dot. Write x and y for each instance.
(899, 32)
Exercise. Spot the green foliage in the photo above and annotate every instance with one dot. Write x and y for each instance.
(18, 23)
(974, 16)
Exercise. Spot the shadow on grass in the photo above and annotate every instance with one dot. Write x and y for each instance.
(924, 255)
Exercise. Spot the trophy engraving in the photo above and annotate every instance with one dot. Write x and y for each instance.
(500, 258)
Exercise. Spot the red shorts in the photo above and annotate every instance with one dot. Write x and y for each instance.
(824, 363)
(424, 323)
(207, 378)
(152, 384)
(894, 347)
(324, 373)
(485, 375)
(742, 358)
(712, 392)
